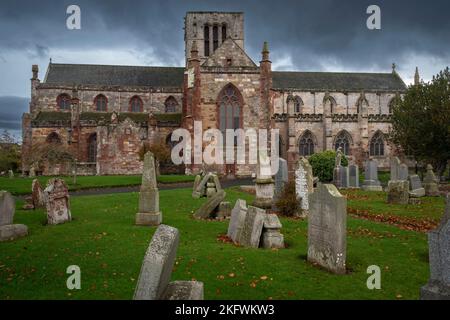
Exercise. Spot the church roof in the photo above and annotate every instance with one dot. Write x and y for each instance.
(337, 81)
(107, 75)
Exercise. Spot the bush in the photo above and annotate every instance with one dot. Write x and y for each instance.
(323, 164)
(287, 203)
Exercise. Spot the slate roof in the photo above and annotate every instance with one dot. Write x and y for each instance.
(337, 81)
(172, 77)
(107, 75)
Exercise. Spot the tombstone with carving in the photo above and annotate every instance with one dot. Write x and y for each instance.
(57, 202)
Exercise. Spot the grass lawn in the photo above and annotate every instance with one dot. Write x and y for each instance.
(22, 186)
(109, 249)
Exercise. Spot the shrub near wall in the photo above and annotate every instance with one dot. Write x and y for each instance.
(323, 164)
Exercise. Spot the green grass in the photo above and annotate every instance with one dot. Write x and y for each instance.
(109, 249)
(22, 186)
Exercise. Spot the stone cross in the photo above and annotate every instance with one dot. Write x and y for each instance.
(327, 228)
(371, 182)
(154, 278)
(438, 286)
(430, 182)
(57, 202)
(303, 183)
(149, 213)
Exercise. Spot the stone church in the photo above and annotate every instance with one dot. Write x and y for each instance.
(103, 115)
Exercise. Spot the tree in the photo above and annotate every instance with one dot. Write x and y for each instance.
(323, 164)
(421, 121)
(9, 152)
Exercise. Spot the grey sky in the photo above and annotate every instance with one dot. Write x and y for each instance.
(309, 35)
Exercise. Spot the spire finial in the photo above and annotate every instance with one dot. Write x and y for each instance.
(417, 77)
(394, 66)
(265, 47)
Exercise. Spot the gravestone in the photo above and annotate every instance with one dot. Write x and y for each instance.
(371, 182)
(224, 210)
(8, 230)
(11, 174)
(337, 176)
(32, 172)
(403, 172)
(251, 232)
(37, 195)
(430, 182)
(438, 286)
(57, 202)
(417, 191)
(209, 208)
(344, 177)
(154, 278)
(208, 185)
(327, 229)
(237, 220)
(264, 184)
(271, 235)
(398, 192)
(353, 176)
(281, 177)
(395, 167)
(149, 213)
(303, 183)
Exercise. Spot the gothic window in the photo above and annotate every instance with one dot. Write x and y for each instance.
(224, 33)
(92, 148)
(215, 37)
(206, 37)
(63, 101)
(377, 145)
(297, 104)
(343, 141)
(306, 144)
(136, 104)
(329, 105)
(230, 104)
(392, 104)
(101, 103)
(171, 105)
(53, 138)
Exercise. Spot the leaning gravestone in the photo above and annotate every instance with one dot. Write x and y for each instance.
(327, 229)
(371, 182)
(237, 220)
(430, 182)
(438, 286)
(57, 202)
(353, 176)
(8, 230)
(303, 183)
(149, 213)
(154, 278)
(37, 195)
(417, 191)
(253, 226)
(271, 235)
(209, 208)
(398, 192)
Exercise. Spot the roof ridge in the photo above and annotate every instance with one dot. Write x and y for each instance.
(333, 72)
(112, 65)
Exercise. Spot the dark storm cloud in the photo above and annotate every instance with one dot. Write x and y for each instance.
(11, 110)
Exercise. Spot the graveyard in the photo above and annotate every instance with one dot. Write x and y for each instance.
(104, 241)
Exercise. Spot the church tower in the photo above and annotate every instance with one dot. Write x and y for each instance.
(210, 30)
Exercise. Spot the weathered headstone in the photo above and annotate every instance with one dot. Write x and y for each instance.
(303, 183)
(371, 182)
(344, 177)
(353, 176)
(281, 177)
(438, 286)
(224, 210)
(337, 176)
(430, 182)
(37, 195)
(264, 184)
(395, 167)
(11, 174)
(327, 229)
(156, 270)
(271, 235)
(57, 202)
(398, 192)
(208, 185)
(149, 213)
(8, 230)
(403, 172)
(237, 220)
(417, 191)
(251, 232)
(209, 208)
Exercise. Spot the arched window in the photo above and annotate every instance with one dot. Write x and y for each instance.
(101, 103)
(377, 145)
(92, 148)
(329, 104)
(63, 101)
(171, 105)
(53, 138)
(215, 37)
(306, 144)
(206, 37)
(343, 141)
(298, 103)
(224, 32)
(230, 104)
(136, 104)
(394, 101)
